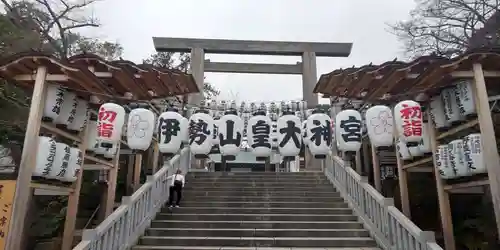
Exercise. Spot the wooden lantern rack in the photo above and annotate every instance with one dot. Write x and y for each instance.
(87, 75)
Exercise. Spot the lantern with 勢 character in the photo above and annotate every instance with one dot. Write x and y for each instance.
(443, 162)
(348, 130)
(200, 134)
(230, 134)
(140, 128)
(259, 136)
(473, 152)
(457, 158)
(319, 132)
(171, 129)
(289, 135)
(45, 156)
(53, 102)
(408, 119)
(380, 126)
(79, 121)
(110, 121)
(68, 110)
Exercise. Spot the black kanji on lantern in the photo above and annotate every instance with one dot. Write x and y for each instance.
(260, 134)
(198, 131)
(320, 132)
(168, 128)
(290, 131)
(230, 135)
(352, 129)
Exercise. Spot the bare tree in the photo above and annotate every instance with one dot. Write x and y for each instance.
(443, 27)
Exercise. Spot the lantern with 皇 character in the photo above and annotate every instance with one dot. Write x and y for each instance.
(45, 156)
(259, 136)
(380, 126)
(53, 102)
(319, 131)
(348, 130)
(82, 112)
(140, 127)
(289, 135)
(408, 119)
(200, 134)
(110, 121)
(473, 152)
(171, 128)
(230, 134)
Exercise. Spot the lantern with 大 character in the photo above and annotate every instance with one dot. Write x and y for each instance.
(380, 126)
(140, 127)
(408, 119)
(289, 135)
(319, 131)
(171, 128)
(348, 130)
(259, 136)
(110, 120)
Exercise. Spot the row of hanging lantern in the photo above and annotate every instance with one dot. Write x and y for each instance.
(57, 161)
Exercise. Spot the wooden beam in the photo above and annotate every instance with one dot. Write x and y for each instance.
(403, 186)
(136, 181)
(376, 170)
(111, 185)
(129, 183)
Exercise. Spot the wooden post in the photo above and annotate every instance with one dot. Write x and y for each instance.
(359, 163)
(443, 198)
(28, 161)
(111, 185)
(156, 156)
(488, 140)
(403, 186)
(366, 159)
(130, 174)
(136, 181)
(376, 169)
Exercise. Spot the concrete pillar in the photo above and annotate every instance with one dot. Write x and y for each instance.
(198, 71)
(309, 78)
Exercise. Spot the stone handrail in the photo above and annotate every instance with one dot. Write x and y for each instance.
(122, 229)
(390, 228)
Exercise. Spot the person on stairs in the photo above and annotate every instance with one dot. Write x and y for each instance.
(176, 186)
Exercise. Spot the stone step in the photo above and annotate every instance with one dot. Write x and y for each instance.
(257, 217)
(251, 232)
(267, 198)
(256, 174)
(257, 224)
(245, 179)
(260, 184)
(258, 241)
(283, 204)
(276, 188)
(257, 210)
(196, 192)
(247, 248)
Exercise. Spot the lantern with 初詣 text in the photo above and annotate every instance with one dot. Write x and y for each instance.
(53, 102)
(60, 167)
(82, 112)
(289, 135)
(380, 126)
(319, 130)
(75, 165)
(425, 142)
(451, 110)
(68, 109)
(230, 134)
(45, 156)
(457, 158)
(200, 134)
(140, 128)
(259, 137)
(403, 150)
(348, 130)
(465, 99)
(443, 162)
(408, 119)
(436, 111)
(473, 151)
(171, 128)
(110, 120)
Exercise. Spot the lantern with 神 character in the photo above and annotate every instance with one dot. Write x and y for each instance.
(259, 137)
(140, 127)
(289, 135)
(68, 109)
(457, 158)
(473, 152)
(408, 118)
(379, 125)
(443, 162)
(53, 102)
(402, 149)
(45, 156)
(437, 113)
(348, 130)
(171, 128)
(320, 135)
(79, 121)
(230, 135)
(200, 134)
(451, 111)
(465, 99)
(110, 120)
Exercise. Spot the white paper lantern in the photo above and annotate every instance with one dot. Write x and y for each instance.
(53, 102)
(91, 136)
(171, 128)
(380, 126)
(319, 132)
(415, 151)
(408, 119)
(443, 162)
(348, 130)
(68, 109)
(305, 137)
(111, 119)
(403, 150)
(274, 135)
(200, 134)
(437, 113)
(259, 137)
(230, 135)
(289, 135)
(473, 151)
(110, 153)
(425, 142)
(457, 158)
(60, 168)
(465, 98)
(78, 122)
(75, 165)
(45, 156)
(140, 127)
(451, 109)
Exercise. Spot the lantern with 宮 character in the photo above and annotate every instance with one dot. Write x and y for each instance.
(380, 126)
(408, 119)
(437, 113)
(200, 134)
(465, 99)
(75, 165)
(68, 109)
(348, 130)
(451, 110)
(171, 129)
(45, 156)
(443, 162)
(457, 158)
(110, 120)
(403, 150)
(230, 134)
(473, 152)
(60, 168)
(53, 102)
(259, 136)
(82, 113)
(289, 135)
(140, 127)
(319, 132)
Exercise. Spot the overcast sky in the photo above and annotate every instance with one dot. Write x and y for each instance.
(133, 23)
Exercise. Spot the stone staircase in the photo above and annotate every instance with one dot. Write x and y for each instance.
(257, 211)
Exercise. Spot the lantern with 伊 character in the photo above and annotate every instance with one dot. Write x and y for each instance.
(200, 134)
(473, 152)
(443, 162)
(171, 129)
(408, 119)
(79, 121)
(53, 102)
(319, 135)
(348, 130)
(230, 134)
(380, 126)
(140, 127)
(45, 156)
(259, 136)
(110, 120)
(457, 158)
(289, 135)
(68, 110)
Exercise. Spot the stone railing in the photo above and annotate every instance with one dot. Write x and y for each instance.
(122, 229)
(390, 228)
